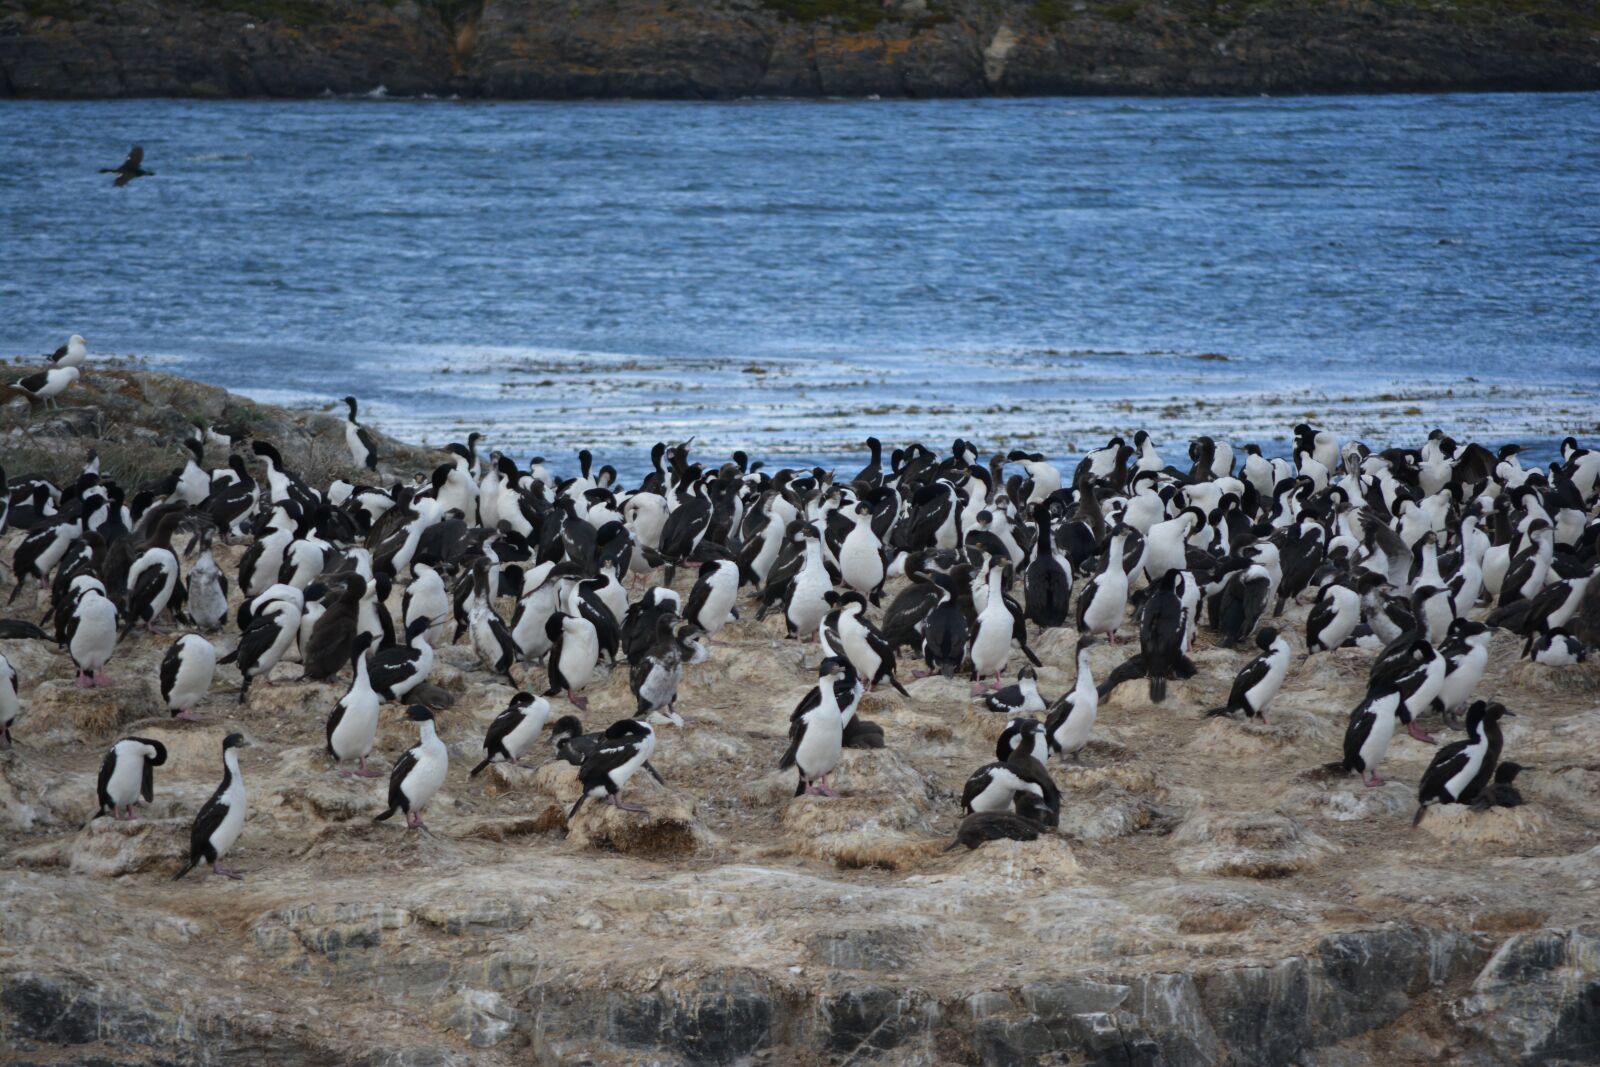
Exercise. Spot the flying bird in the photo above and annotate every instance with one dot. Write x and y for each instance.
(130, 168)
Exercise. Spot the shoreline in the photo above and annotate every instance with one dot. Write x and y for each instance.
(641, 49)
(816, 411)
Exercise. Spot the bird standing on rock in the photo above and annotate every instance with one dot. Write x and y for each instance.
(127, 775)
(186, 674)
(1262, 677)
(71, 354)
(816, 736)
(217, 826)
(353, 724)
(514, 730)
(363, 446)
(419, 773)
(44, 386)
(1460, 770)
(626, 746)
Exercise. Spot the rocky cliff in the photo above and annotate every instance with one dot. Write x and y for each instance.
(803, 48)
(1208, 900)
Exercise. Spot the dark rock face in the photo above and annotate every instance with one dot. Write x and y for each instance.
(713, 1022)
(51, 1011)
(1536, 1000)
(733, 48)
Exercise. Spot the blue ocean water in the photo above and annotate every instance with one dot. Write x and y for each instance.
(790, 276)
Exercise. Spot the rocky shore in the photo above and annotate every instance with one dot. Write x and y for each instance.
(1207, 901)
(724, 49)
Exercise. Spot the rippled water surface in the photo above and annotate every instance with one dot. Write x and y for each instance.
(790, 276)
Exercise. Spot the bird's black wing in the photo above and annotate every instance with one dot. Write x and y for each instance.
(1007, 699)
(977, 784)
(907, 611)
(169, 670)
(944, 639)
(682, 527)
(1057, 715)
(1448, 762)
(1248, 679)
(1019, 628)
(884, 651)
(397, 777)
(697, 599)
(508, 646)
(252, 558)
(103, 783)
(206, 823)
(812, 699)
(34, 382)
(599, 764)
(226, 503)
(257, 641)
(333, 724)
(1322, 613)
(142, 596)
(393, 664)
(1085, 598)
(1361, 720)
(370, 443)
(639, 672)
(928, 517)
(797, 732)
(504, 723)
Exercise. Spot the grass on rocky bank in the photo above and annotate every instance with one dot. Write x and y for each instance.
(137, 421)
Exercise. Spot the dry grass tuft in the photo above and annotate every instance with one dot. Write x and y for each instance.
(1267, 844)
(668, 829)
(61, 713)
(550, 817)
(1458, 824)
